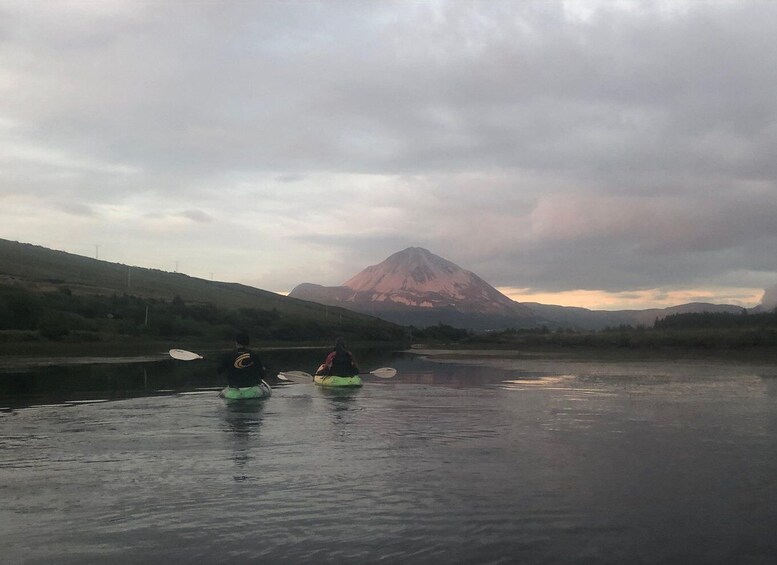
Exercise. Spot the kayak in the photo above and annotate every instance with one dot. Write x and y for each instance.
(262, 390)
(334, 380)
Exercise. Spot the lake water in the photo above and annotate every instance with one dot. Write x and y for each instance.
(484, 461)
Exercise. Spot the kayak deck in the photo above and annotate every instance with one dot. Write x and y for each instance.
(337, 381)
(262, 390)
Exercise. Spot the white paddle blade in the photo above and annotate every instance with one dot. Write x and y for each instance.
(295, 376)
(183, 355)
(384, 372)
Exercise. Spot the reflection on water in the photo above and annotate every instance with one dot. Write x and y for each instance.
(102, 379)
(496, 461)
(340, 397)
(343, 405)
(243, 420)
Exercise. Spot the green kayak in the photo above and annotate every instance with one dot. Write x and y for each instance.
(262, 390)
(334, 380)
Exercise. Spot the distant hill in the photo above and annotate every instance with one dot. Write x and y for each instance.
(585, 319)
(43, 271)
(417, 287)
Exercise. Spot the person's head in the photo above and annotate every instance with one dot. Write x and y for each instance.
(242, 339)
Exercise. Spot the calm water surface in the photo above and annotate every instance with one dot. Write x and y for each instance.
(486, 461)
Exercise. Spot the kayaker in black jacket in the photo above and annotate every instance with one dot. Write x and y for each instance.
(340, 362)
(242, 366)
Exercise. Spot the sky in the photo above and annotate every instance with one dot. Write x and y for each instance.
(604, 154)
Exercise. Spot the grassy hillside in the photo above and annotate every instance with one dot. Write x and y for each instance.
(47, 294)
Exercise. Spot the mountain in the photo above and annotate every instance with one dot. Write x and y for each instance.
(417, 287)
(413, 286)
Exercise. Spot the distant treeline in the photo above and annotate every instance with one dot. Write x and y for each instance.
(65, 316)
(698, 330)
(719, 320)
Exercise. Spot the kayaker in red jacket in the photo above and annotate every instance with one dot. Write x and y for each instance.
(242, 366)
(340, 362)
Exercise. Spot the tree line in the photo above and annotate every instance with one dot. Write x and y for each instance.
(719, 320)
(65, 315)
(708, 330)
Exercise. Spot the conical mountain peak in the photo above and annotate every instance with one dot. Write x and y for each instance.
(416, 286)
(417, 278)
(414, 269)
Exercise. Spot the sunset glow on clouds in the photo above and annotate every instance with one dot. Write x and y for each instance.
(638, 300)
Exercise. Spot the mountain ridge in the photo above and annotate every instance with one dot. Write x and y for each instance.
(576, 317)
(416, 287)
(43, 270)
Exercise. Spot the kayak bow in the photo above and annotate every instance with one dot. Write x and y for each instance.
(262, 390)
(334, 380)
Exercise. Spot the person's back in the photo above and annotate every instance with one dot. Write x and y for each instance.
(339, 362)
(242, 366)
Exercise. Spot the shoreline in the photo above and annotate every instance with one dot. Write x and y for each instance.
(29, 354)
(453, 353)
(128, 351)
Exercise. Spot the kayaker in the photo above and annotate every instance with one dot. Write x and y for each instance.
(242, 366)
(339, 361)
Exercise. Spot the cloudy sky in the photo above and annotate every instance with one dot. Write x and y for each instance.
(607, 154)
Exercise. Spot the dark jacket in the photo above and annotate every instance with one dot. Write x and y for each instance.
(243, 368)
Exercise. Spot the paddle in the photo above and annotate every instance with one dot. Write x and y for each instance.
(383, 373)
(295, 376)
(183, 355)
